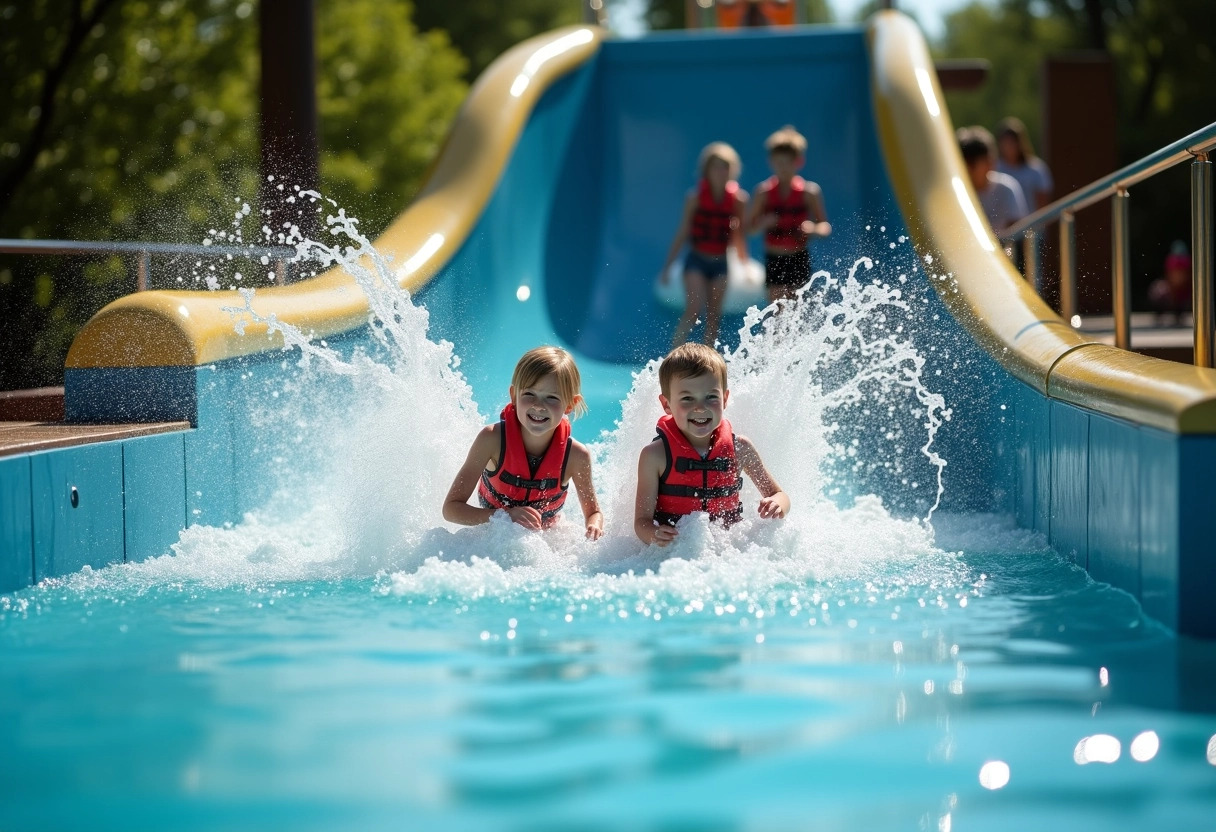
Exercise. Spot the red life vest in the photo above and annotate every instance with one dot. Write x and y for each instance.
(515, 483)
(711, 222)
(690, 483)
(790, 210)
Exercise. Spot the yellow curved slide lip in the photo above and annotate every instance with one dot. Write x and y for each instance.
(977, 282)
(181, 328)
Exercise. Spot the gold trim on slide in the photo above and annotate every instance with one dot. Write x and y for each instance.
(977, 282)
(178, 328)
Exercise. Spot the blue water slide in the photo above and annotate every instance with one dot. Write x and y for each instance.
(585, 211)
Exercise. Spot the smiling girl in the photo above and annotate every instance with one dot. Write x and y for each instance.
(523, 465)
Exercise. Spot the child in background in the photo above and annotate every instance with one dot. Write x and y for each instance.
(712, 221)
(694, 462)
(999, 193)
(1015, 156)
(523, 464)
(789, 209)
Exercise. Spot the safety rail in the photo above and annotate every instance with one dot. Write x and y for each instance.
(280, 255)
(1196, 148)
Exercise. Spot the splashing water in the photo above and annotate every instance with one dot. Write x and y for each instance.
(827, 387)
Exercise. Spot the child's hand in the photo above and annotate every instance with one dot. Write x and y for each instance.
(525, 516)
(816, 229)
(664, 534)
(776, 506)
(595, 525)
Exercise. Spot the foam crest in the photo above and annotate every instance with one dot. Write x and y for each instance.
(828, 387)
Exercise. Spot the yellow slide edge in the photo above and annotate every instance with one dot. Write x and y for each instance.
(975, 280)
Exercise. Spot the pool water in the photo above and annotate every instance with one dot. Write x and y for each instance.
(469, 695)
(342, 659)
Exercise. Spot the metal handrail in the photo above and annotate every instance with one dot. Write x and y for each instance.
(281, 255)
(1194, 148)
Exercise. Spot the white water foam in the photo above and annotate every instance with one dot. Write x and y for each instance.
(802, 385)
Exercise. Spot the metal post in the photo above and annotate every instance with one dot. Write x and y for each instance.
(1030, 259)
(143, 268)
(281, 272)
(1121, 255)
(1201, 258)
(1068, 266)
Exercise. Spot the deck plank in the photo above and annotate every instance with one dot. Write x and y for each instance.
(29, 437)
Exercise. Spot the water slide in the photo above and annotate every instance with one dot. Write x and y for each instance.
(548, 214)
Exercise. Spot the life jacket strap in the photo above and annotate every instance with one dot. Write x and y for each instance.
(700, 492)
(540, 505)
(685, 464)
(520, 482)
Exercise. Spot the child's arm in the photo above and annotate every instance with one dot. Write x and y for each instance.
(775, 502)
(677, 243)
(738, 234)
(817, 225)
(580, 473)
(650, 468)
(456, 508)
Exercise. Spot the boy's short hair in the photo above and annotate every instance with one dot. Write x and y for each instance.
(786, 140)
(689, 361)
(976, 143)
(722, 151)
(540, 362)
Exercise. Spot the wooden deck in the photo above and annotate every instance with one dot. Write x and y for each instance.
(28, 437)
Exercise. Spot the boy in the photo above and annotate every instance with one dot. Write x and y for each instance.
(694, 462)
(789, 209)
(1000, 194)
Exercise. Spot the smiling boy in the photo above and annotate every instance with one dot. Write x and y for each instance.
(694, 462)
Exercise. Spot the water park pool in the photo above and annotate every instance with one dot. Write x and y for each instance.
(970, 619)
(876, 681)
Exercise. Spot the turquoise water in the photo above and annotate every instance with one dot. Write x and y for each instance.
(708, 695)
(342, 659)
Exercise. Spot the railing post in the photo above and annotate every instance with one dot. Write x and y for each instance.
(143, 268)
(1121, 256)
(280, 271)
(1030, 259)
(1068, 267)
(1201, 258)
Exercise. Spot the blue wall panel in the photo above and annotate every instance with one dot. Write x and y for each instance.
(1159, 529)
(16, 533)
(1114, 502)
(67, 536)
(154, 489)
(1197, 537)
(1069, 481)
(210, 495)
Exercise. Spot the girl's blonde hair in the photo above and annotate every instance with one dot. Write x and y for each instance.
(786, 140)
(540, 362)
(723, 151)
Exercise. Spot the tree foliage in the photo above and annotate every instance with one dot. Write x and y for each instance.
(154, 135)
(484, 29)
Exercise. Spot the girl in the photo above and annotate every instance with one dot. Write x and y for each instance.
(712, 220)
(524, 464)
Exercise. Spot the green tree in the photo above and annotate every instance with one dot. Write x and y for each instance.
(484, 29)
(154, 136)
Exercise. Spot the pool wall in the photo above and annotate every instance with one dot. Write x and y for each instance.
(1104, 452)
